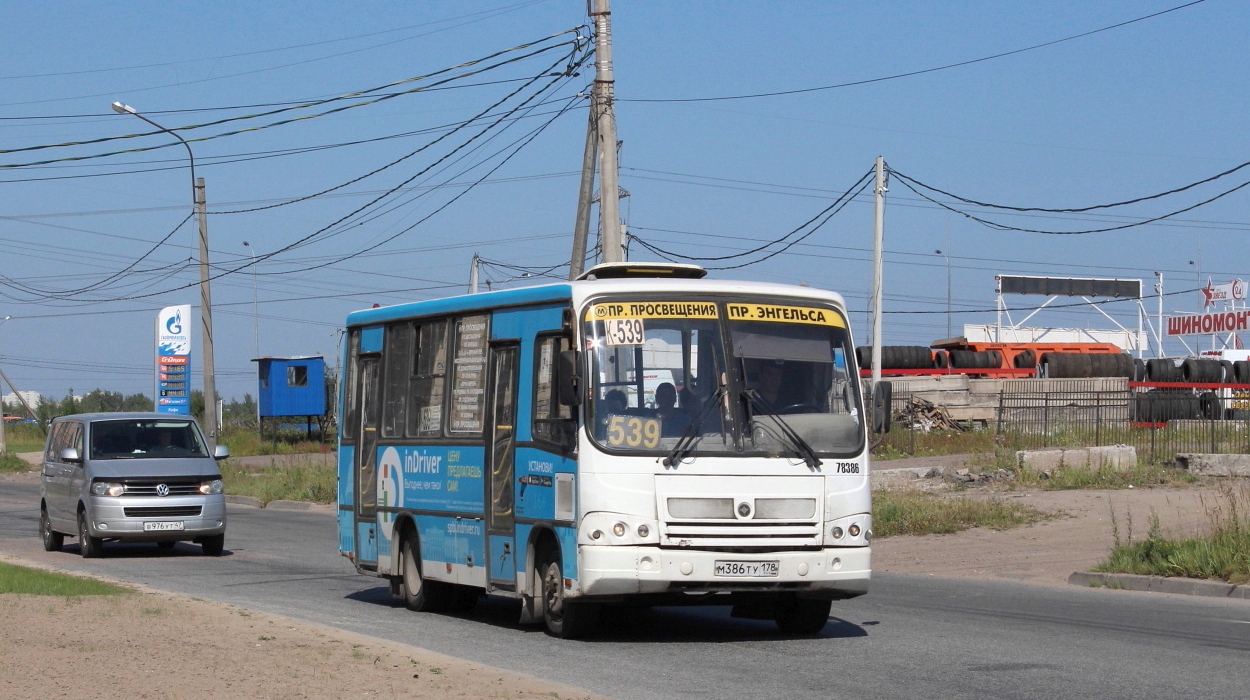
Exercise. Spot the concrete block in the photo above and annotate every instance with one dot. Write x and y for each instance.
(1215, 465)
(1114, 457)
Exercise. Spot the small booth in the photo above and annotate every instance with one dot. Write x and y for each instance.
(291, 387)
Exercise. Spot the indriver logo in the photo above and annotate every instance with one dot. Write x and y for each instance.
(174, 325)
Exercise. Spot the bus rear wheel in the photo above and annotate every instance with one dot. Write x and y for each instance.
(420, 595)
(796, 615)
(564, 619)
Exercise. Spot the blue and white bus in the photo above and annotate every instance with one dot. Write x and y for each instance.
(640, 435)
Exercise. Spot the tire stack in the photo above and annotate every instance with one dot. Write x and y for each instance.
(970, 359)
(1078, 365)
(1163, 369)
(1163, 405)
(1195, 370)
(1024, 360)
(896, 357)
(1241, 372)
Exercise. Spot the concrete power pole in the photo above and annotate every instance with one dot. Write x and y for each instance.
(473, 273)
(601, 108)
(878, 192)
(206, 321)
(585, 193)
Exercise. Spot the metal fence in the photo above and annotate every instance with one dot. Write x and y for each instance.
(1159, 423)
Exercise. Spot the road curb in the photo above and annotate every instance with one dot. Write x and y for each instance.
(244, 501)
(1160, 584)
(290, 505)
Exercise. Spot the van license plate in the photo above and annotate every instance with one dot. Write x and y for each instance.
(150, 526)
(746, 568)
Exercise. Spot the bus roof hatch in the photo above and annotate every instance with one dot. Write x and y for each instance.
(623, 270)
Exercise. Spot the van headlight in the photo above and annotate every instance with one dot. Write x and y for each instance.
(104, 488)
(211, 487)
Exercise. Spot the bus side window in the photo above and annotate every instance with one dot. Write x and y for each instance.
(553, 422)
(425, 387)
(395, 386)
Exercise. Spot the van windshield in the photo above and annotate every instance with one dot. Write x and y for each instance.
(145, 439)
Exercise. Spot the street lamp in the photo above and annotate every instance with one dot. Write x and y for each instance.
(255, 312)
(206, 305)
(948, 291)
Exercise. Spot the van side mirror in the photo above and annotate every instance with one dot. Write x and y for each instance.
(569, 379)
(70, 454)
(221, 452)
(881, 399)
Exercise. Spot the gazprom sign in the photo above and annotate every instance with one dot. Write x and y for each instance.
(172, 392)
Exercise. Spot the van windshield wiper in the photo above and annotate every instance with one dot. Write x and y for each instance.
(800, 445)
(686, 442)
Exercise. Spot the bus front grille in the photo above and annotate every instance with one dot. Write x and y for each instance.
(740, 533)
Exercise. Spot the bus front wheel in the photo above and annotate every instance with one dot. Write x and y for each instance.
(796, 615)
(564, 619)
(419, 594)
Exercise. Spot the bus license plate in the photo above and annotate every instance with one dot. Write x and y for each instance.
(177, 525)
(746, 568)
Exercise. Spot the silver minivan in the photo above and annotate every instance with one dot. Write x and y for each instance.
(130, 477)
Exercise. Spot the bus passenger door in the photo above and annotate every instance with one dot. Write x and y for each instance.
(500, 448)
(366, 466)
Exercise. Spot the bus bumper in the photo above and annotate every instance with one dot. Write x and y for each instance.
(611, 571)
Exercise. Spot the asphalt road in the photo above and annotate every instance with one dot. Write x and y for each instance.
(911, 637)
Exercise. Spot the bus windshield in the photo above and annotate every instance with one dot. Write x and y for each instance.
(728, 377)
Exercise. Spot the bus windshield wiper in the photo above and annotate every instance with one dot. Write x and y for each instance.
(800, 445)
(685, 443)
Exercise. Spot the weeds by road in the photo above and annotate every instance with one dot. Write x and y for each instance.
(28, 581)
(907, 512)
(298, 480)
(1222, 552)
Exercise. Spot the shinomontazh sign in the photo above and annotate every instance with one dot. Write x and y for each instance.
(173, 360)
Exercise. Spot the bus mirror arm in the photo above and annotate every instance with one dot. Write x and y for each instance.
(569, 378)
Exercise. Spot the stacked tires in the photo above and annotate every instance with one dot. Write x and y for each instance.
(1163, 405)
(896, 357)
(1077, 365)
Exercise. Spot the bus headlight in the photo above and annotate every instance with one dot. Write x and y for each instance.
(836, 533)
(853, 530)
(643, 530)
(619, 529)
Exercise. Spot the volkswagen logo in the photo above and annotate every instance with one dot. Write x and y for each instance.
(162, 490)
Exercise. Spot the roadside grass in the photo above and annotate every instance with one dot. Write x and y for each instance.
(247, 443)
(900, 443)
(1222, 552)
(10, 463)
(28, 581)
(23, 437)
(1141, 475)
(302, 480)
(906, 512)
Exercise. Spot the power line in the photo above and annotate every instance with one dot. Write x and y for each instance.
(908, 74)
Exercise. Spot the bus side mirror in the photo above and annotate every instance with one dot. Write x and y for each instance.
(881, 408)
(569, 379)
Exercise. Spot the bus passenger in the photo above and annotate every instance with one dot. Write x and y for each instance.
(672, 421)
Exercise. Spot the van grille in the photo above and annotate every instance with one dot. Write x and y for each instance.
(141, 490)
(162, 511)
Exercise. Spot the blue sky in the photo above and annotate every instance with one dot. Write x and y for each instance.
(1111, 116)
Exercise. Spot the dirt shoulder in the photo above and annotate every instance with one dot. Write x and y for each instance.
(1080, 536)
(130, 646)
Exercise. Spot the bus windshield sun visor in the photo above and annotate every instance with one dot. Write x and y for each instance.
(774, 346)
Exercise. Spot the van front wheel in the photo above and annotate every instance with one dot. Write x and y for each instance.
(52, 541)
(90, 547)
(214, 545)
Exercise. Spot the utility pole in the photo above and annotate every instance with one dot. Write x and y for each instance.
(1159, 292)
(585, 193)
(878, 226)
(601, 108)
(206, 321)
(473, 274)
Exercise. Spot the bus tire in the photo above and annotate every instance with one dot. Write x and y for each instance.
(804, 616)
(420, 595)
(564, 619)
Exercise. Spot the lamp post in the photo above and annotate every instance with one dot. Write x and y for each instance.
(206, 305)
(948, 290)
(255, 312)
(3, 447)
